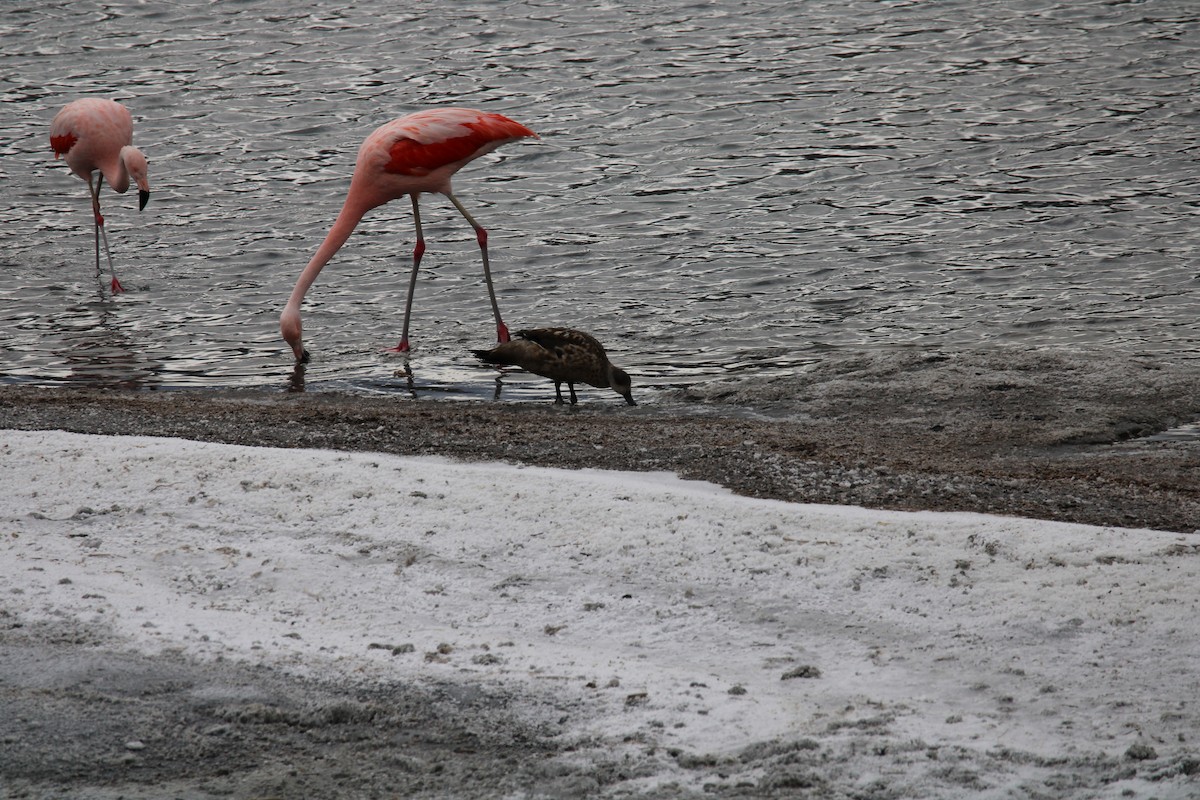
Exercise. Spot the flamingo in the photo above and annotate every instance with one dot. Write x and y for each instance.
(415, 153)
(96, 134)
(563, 355)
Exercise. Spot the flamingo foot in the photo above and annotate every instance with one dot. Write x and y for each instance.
(502, 332)
(400, 348)
(117, 288)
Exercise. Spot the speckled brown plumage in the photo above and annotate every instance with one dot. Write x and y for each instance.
(563, 355)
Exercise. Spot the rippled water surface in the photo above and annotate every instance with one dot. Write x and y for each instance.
(720, 188)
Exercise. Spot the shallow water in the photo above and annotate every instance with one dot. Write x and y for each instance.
(718, 191)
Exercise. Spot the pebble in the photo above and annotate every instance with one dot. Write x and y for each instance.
(1141, 752)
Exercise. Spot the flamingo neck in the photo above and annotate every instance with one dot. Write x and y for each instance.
(290, 324)
(116, 172)
(133, 168)
(349, 217)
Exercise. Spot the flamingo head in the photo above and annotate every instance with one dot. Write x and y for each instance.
(289, 326)
(139, 172)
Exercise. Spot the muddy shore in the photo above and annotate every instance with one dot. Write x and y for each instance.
(1034, 435)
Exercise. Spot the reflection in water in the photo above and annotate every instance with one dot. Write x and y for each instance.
(97, 351)
(296, 379)
(407, 373)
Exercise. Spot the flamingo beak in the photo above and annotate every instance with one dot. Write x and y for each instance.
(143, 198)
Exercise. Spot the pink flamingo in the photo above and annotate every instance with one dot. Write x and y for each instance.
(96, 134)
(407, 156)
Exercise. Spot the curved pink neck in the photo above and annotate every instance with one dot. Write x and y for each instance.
(343, 226)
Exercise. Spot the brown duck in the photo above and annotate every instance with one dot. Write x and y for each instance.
(564, 356)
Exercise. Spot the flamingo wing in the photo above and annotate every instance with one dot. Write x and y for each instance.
(428, 140)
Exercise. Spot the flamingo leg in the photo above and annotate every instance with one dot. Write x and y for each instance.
(96, 236)
(97, 220)
(481, 236)
(117, 288)
(418, 251)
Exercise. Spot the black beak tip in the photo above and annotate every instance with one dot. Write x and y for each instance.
(143, 198)
(629, 400)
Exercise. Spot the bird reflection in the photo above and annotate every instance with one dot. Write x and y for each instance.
(296, 379)
(98, 350)
(407, 373)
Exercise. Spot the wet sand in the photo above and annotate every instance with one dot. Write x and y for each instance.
(1029, 434)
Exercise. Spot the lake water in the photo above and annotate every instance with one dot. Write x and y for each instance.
(721, 189)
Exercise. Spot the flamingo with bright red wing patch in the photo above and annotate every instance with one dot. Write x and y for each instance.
(407, 156)
(96, 134)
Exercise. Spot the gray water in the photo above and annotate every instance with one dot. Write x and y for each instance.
(721, 189)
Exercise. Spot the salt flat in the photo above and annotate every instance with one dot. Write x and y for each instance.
(705, 638)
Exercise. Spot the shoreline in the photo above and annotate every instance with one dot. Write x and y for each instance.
(887, 456)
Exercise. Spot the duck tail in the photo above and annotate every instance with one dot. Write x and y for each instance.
(490, 356)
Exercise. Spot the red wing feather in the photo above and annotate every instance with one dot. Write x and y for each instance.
(63, 144)
(411, 157)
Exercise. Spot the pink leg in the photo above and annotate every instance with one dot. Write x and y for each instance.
(481, 236)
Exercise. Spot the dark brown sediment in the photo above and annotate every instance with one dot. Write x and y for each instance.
(1043, 446)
